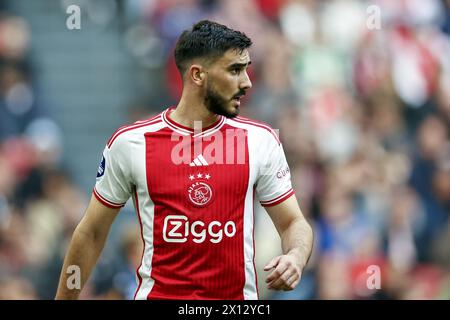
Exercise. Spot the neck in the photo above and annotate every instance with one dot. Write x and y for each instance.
(191, 110)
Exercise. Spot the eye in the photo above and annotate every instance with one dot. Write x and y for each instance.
(236, 71)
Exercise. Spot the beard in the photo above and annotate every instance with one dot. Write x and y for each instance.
(219, 105)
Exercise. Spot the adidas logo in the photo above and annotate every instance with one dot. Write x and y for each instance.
(198, 162)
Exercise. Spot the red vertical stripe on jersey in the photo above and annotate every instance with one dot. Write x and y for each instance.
(181, 267)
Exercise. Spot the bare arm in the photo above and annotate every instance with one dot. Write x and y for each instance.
(85, 247)
(296, 241)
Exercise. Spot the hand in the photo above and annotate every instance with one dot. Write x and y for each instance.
(286, 274)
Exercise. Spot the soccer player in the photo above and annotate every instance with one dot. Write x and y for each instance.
(194, 173)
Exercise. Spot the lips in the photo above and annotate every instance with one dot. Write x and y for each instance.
(238, 97)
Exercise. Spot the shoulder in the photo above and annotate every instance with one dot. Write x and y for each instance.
(262, 129)
(125, 133)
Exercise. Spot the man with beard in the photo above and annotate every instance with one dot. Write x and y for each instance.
(193, 173)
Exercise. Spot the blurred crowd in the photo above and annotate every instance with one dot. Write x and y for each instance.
(363, 111)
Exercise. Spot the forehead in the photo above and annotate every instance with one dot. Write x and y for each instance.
(234, 56)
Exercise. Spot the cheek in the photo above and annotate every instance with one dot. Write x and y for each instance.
(231, 83)
(226, 84)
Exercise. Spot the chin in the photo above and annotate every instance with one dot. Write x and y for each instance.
(234, 112)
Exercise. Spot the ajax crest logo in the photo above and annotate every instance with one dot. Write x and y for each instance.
(199, 192)
(101, 168)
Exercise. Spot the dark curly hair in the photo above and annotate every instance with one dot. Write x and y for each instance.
(209, 40)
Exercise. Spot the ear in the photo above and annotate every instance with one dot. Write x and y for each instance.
(197, 74)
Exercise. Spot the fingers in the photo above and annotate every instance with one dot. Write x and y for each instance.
(295, 283)
(279, 282)
(287, 281)
(285, 276)
(291, 283)
(273, 263)
(277, 273)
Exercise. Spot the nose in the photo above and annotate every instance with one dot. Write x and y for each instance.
(245, 83)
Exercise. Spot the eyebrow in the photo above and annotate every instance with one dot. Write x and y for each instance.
(239, 65)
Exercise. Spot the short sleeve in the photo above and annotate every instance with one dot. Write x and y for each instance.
(114, 183)
(273, 185)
